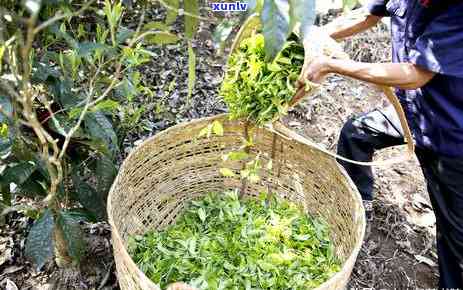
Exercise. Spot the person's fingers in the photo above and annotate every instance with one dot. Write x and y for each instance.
(300, 83)
(180, 286)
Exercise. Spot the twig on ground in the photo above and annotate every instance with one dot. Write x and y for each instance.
(106, 276)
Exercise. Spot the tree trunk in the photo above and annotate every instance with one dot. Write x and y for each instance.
(62, 258)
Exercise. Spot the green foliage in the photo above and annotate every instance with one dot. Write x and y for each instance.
(162, 37)
(258, 90)
(222, 32)
(99, 127)
(255, 6)
(18, 173)
(221, 242)
(275, 23)
(39, 242)
(63, 79)
(278, 19)
(89, 198)
(69, 224)
(79, 75)
(106, 171)
(173, 12)
(302, 12)
(58, 102)
(215, 128)
(191, 8)
(349, 4)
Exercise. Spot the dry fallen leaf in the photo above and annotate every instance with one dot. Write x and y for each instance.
(10, 285)
(5, 250)
(425, 260)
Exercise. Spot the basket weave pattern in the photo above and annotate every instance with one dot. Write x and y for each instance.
(168, 170)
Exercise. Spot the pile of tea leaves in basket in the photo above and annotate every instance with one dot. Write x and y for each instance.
(257, 90)
(224, 242)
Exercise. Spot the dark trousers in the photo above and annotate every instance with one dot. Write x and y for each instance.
(362, 135)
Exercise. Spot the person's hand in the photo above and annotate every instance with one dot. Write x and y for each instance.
(317, 69)
(314, 70)
(180, 286)
(319, 47)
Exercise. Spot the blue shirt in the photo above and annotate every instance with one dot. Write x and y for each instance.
(429, 33)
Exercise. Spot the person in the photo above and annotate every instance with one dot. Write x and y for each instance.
(427, 72)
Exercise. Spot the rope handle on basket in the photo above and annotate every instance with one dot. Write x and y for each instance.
(282, 131)
(391, 96)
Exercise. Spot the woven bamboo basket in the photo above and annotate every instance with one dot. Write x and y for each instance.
(165, 172)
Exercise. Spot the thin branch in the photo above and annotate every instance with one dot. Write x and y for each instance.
(83, 102)
(9, 89)
(143, 35)
(140, 22)
(58, 17)
(183, 12)
(86, 107)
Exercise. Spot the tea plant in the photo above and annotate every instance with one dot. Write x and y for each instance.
(65, 66)
(257, 90)
(223, 242)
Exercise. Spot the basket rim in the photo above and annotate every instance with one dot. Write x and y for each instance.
(358, 212)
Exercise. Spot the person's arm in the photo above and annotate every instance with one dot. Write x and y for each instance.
(357, 20)
(351, 24)
(400, 75)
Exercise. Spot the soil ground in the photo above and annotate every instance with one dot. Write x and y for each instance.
(398, 253)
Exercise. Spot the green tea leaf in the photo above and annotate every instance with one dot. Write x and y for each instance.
(39, 243)
(223, 242)
(191, 22)
(237, 155)
(251, 25)
(204, 132)
(156, 25)
(227, 172)
(19, 173)
(302, 12)
(172, 10)
(105, 172)
(274, 67)
(106, 106)
(89, 197)
(73, 235)
(32, 187)
(257, 90)
(349, 4)
(123, 35)
(162, 38)
(62, 125)
(275, 23)
(202, 214)
(85, 49)
(100, 128)
(217, 128)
